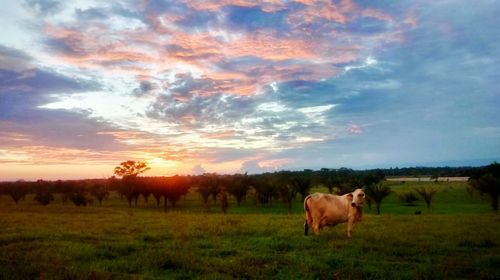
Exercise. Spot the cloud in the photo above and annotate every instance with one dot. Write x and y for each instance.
(90, 14)
(24, 88)
(43, 7)
(14, 60)
(215, 42)
(145, 87)
(257, 84)
(354, 129)
(261, 121)
(252, 167)
(198, 169)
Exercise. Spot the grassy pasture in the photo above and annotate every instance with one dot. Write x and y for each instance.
(458, 238)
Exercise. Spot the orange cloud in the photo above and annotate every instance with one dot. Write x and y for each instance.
(268, 47)
(14, 137)
(315, 10)
(221, 135)
(378, 14)
(164, 47)
(216, 5)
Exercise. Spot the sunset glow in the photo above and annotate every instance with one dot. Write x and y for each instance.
(245, 86)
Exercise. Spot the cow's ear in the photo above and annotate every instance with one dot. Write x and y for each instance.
(350, 196)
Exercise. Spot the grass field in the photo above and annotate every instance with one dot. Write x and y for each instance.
(458, 238)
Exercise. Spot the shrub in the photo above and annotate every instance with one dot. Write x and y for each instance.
(408, 198)
(17, 191)
(44, 197)
(427, 194)
(376, 193)
(78, 198)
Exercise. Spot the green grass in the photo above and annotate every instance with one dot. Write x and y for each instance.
(457, 238)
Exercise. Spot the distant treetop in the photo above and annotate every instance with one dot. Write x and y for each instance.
(131, 168)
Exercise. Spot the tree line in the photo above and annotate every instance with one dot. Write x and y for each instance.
(285, 186)
(266, 188)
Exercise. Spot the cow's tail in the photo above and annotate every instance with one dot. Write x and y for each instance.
(308, 216)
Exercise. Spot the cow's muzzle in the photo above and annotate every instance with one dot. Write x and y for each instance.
(353, 204)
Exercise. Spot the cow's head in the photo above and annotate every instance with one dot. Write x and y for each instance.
(357, 198)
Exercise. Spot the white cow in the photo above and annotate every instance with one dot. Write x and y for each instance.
(328, 210)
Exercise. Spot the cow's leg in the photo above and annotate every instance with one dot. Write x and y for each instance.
(350, 223)
(316, 225)
(308, 221)
(323, 223)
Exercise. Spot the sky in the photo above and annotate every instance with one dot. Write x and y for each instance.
(232, 86)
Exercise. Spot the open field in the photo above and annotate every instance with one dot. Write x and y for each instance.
(427, 179)
(458, 238)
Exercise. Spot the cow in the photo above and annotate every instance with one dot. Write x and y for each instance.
(328, 210)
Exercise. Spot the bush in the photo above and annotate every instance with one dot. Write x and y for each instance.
(44, 197)
(78, 198)
(17, 190)
(427, 194)
(408, 198)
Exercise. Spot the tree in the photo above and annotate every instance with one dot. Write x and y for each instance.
(176, 187)
(348, 181)
(329, 178)
(43, 192)
(487, 181)
(302, 182)
(131, 168)
(207, 183)
(44, 197)
(238, 186)
(223, 200)
(99, 191)
(285, 188)
(434, 177)
(78, 198)
(156, 185)
(426, 194)
(78, 194)
(408, 198)
(264, 189)
(372, 178)
(377, 192)
(129, 187)
(17, 190)
(145, 191)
